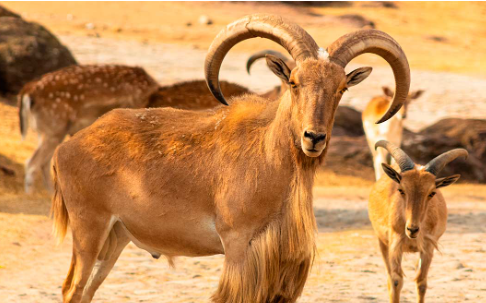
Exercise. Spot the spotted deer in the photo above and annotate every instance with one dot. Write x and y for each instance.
(65, 101)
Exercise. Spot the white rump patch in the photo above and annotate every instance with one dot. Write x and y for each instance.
(323, 54)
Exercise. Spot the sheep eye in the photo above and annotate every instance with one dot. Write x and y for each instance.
(432, 195)
(292, 83)
(401, 192)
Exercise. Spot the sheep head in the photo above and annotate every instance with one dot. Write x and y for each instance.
(318, 80)
(417, 185)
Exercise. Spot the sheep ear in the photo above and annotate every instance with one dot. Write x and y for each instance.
(443, 182)
(393, 174)
(387, 91)
(278, 67)
(416, 94)
(358, 75)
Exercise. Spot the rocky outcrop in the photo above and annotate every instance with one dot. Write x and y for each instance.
(27, 51)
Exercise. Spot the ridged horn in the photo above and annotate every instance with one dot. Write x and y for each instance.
(349, 46)
(438, 163)
(261, 54)
(290, 36)
(403, 160)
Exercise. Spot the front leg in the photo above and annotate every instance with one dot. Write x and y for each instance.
(421, 279)
(395, 277)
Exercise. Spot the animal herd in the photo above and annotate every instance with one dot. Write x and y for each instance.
(179, 175)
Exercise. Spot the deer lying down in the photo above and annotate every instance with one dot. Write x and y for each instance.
(390, 130)
(409, 214)
(65, 101)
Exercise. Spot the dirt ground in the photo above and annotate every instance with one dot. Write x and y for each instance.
(349, 267)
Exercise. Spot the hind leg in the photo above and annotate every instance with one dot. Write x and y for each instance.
(88, 240)
(113, 247)
(69, 279)
(40, 161)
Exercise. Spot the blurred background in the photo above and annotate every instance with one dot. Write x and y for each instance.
(445, 45)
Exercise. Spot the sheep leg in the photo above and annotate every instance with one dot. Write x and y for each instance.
(115, 243)
(386, 260)
(423, 270)
(88, 240)
(395, 278)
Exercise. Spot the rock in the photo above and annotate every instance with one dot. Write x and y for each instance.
(27, 51)
(205, 20)
(448, 134)
(6, 13)
(347, 122)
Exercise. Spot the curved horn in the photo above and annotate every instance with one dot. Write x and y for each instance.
(292, 37)
(261, 54)
(403, 160)
(349, 46)
(438, 163)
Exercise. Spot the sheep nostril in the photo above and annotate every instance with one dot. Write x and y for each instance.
(413, 230)
(315, 138)
(320, 138)
(309, 135)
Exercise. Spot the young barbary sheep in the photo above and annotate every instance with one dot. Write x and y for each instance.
(409, 213)
(390, 130)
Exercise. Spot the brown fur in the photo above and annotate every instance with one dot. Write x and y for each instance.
(390, 213)
(377, 107)
(58, 211)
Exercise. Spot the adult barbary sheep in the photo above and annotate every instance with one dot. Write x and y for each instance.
(409, 213)
(235, 180)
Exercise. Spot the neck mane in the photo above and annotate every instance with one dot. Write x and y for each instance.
(280, 143)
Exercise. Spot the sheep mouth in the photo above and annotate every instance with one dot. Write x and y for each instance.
(313, 153)
(412, 236)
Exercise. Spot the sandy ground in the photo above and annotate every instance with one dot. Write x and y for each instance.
(349, 267)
